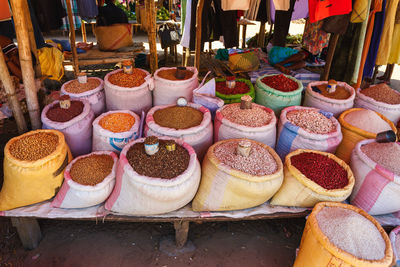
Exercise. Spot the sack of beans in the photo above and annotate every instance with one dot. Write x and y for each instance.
(126, 91)
(376, 167)
(255, 122)
(321, 95)
(74, 119)
(88, 181)
(307, 128)
(238, 174)
(190, 123)
(173, 83)
(338, 234)
(359, 124)
(231, 90)
(313, 176)
(89, 88)
(155, 176)
(278, 91)
(113, 130)
(34, 164)
(380, 98)
(395, 240)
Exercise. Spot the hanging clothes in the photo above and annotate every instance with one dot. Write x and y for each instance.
(185, 40)
(283, 5)
(5, 13)
(300, 10)
(320, 9)
(360, 11)
(394, 57)
(49, 14)
(75, 16)
(262, 14)
(314, 38)
(251, 13)
(87, 9)
(183, 15)
(336, 24)
(282, 23)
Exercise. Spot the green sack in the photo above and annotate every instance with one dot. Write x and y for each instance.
(228, 99)
(275, 99)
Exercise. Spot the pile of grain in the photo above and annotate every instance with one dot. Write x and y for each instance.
(386, 155)
(367, 120)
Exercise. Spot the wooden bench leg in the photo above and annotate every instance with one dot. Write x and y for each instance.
(181, 233)
(28, 231)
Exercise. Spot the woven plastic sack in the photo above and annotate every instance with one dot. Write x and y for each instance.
(292, 137)
(226, 129)
(114, 36)
(73, 195)
(136, 99)
(199, 137)
(299, 191)
(235, 4)
(235, 98)
(30, 182)
(317, 251)
(77, 132)
(96, 96)
(336, 106)
(353, 135)
(244, 62)
(275, 99)
(392, 112)
(223, 188)
(136, 194)
(377, 190)
(395, 235)
(166, 91)
(109, 141)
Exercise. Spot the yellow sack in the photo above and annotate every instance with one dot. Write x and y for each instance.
(244, 62)
(223, 188)
(317, 251)
(30, 182)
(352, 135)
(51, 62)
(113, 37)
(299, 191)
(360, 11)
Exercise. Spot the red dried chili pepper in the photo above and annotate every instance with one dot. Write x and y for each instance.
(280, 82)
(240, 88)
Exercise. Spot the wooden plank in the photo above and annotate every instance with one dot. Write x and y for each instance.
(28, 231)
(181, 233)
(72, 37)
(151, 31)
(83, 29)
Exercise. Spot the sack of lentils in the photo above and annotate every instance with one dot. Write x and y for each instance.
(169, 85)
(376, 167)
(278, 91)
(232, 95)
(114, 129)
(257, 123)
(380, 98)
(34, 164)
(75, 122)
(238, 174)
(191, 123)
(129, 91)
(92, 90)
(395, 240)
(88, 181)
(155, 176)
(307, 128)
(313, 176)
(338, 234)
(318, 96)
(359, 124)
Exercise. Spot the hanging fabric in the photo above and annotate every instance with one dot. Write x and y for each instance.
(320, 9)
(360, 11)
(235, 5)
(87, 9)
(49, 14)
(251, 13)
(185, 41)
(5, 13)
(283, 5)
(300, 10)
(394, 57)
(75, 15)
(282, 23)
(314, 38)
(336, 24)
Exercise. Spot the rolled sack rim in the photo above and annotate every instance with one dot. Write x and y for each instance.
(83, 94)
(107, 85)
(377, 104)
(194, 77)
(260, 85)
(331, 100)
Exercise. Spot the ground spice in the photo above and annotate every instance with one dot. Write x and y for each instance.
(280, 82)
(34, 146)
(170, 74)
(254, 117)
(382, 93)
(322, 170)
(367, 120)
(311, 121)
(260, 162)
(386, 155)
(117, 122)
(75, 87)
(340, 92)
(351, 232)
(164, 164)
(58, 114)
(240, 88)
(128, 80)
(178, 117)
(91, 170)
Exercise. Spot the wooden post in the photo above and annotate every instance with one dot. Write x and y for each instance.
(72, 37)
(151, 32)
(181, 233)
(83, 29)
(261, 35)
(28, 231)
(199, 17)
(12, 98)
(25, 57)
(329, 57)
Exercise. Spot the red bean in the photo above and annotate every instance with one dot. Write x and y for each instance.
(280, 82)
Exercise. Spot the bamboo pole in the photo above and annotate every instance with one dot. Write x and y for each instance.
(12, 98)
(25, 57)
(72, 37)
(329, 57)
(151, 32)
(199, 17)
(83, 29)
